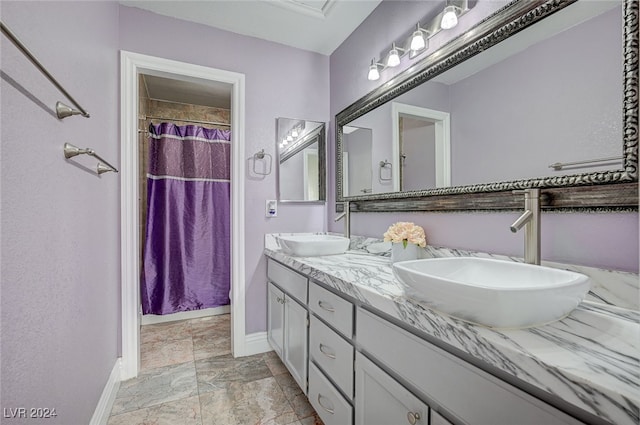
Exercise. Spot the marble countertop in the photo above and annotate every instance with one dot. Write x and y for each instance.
(589, 359)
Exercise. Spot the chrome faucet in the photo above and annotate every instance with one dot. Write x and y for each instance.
(531, 220)
(346, 214)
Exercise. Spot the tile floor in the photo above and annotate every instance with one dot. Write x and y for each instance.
(188, 377)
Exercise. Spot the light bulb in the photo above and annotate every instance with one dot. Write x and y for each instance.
(449, 18)
(373, 71)
(289, 138)
(418, 41)
(294, 132)
(393, 59)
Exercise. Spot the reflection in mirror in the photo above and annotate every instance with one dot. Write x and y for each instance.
(538, 98)
(356, 160)
(301, 160)
(421, 148)
(541, 101)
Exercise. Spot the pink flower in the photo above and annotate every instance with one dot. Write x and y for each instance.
(405, 232)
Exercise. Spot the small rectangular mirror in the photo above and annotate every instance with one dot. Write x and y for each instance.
(301, 160)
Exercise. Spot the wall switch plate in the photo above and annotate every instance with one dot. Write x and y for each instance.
(271, 208)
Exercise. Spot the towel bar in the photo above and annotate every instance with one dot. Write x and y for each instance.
(62, 110)
(103, 166)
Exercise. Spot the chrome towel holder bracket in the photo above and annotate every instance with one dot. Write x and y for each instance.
(103, 166)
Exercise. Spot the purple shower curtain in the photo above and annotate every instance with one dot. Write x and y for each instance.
(186, 263)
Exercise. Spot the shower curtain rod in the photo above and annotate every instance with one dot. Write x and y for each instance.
(145, 117)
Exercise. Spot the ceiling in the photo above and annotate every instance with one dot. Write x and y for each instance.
(315, 25)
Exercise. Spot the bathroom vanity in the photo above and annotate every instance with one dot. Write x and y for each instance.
(365, 354)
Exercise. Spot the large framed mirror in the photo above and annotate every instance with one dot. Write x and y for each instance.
(301, 160)
(540, 94)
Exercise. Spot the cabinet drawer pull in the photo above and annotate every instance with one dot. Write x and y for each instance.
(323, 406)
(323, 351)
(326, 306)
(413, 418)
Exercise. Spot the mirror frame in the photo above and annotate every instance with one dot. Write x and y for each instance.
(614, 190)
(322, 164)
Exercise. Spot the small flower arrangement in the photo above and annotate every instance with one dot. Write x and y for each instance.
(405, 232)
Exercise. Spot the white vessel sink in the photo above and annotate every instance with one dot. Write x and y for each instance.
(494, 293)
(313, 245)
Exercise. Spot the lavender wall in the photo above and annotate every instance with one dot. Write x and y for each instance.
(60, 238)
(297, 90)
(600, 240)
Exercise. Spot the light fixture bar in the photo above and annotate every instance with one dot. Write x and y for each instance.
(428, 28)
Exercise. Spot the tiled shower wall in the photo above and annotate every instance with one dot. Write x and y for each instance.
(175, 113)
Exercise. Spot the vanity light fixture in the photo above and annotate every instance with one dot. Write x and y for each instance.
(449, 17)
(297, 130)
(415, 41)
(419, 39)
(394, 57)
(374, 74)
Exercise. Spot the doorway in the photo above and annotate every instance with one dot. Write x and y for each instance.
(197, 282)
(132, 66)
(432, 147)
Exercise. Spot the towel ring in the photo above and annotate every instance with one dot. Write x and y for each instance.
(383, 165)
(261, 156)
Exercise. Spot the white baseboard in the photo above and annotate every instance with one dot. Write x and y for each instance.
(256, 343)
(105, 404)
(152, 319)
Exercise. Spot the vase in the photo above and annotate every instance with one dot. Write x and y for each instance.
(401, 253)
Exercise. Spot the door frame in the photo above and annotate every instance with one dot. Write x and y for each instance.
(131, 65)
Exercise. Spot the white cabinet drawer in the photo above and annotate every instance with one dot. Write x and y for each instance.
(469, 393)
(292, 282)
(332, 408)
(383, 401)
(333, 353)
(333, 309)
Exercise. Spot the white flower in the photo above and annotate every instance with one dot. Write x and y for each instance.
(406, 232)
